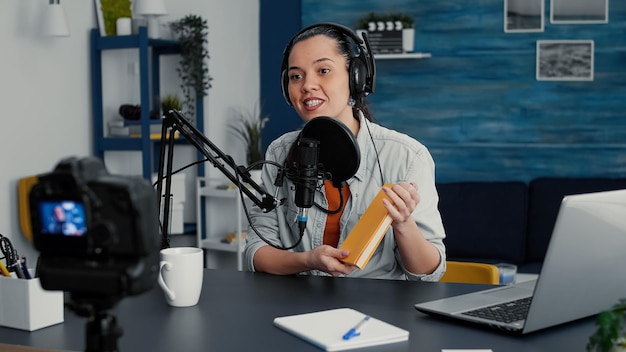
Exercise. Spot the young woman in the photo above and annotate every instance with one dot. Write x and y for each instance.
(324, 74)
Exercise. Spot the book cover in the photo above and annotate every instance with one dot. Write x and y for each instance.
(368, 232)
(325, 329)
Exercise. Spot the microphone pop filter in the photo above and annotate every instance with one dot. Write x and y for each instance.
(338, 150)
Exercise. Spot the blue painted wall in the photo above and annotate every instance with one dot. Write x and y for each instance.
(279, 21)
(476, 103)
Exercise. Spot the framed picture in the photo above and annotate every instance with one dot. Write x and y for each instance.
(565, 60)
(579, 11)
(523, 15)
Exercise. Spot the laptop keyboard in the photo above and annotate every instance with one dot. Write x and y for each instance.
(504, 312)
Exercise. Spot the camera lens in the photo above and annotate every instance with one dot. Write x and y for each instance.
(102, 236)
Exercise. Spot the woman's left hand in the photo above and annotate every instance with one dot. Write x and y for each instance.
(405, 198)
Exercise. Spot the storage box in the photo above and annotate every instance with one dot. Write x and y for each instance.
(177, 223)
(177, 187)
(25, 305)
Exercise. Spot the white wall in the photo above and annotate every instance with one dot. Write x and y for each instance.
(46, 93)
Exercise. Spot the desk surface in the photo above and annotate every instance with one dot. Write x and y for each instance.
(236, 312)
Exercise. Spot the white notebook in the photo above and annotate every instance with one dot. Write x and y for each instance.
(325, 329)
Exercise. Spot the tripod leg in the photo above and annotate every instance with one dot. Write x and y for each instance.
(102, 333)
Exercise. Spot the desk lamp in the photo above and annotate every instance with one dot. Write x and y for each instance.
(151, 10)
(55, 23)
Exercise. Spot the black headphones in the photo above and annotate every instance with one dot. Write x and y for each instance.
(362, 70)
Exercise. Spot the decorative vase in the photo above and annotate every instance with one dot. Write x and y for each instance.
(408, 39)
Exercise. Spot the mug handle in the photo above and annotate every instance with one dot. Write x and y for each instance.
(169, 293)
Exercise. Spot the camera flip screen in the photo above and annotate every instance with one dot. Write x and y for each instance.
(66, 217)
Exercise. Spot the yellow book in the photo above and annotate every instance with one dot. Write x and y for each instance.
(368, 232)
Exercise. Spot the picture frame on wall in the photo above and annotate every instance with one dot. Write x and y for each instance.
(565, 60)
(523, 16)
(579, 11)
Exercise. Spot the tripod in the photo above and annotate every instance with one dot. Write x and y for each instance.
(101, 331)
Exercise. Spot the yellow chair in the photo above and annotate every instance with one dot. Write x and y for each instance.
(23, 188)
(471, 273)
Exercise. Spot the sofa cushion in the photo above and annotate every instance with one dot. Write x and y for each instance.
(545, 196)
(484, 221)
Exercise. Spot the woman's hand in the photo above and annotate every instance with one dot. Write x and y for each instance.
(405, 198)
(328, 259)
(418, 255)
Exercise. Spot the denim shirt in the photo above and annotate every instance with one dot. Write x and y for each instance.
(401, 158)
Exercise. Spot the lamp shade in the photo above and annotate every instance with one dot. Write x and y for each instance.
(150, 7)
(55, 23)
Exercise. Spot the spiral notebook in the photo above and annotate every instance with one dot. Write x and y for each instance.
(325, 329)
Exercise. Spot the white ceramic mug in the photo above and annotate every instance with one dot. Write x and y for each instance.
(180, 275)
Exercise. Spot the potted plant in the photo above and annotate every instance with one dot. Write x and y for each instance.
(192, 32)
(364, 22)
(249, 127)
(170, 102)
(611, 333)
(408, 30)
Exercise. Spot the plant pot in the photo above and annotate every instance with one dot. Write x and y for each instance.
(408, 39)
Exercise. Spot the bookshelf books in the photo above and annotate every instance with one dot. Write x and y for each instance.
(368, 232)
(132, 128)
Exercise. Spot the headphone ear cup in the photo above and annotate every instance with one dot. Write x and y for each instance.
(358, 77)
(284, 79)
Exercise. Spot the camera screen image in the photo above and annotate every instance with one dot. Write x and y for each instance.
(66, 217)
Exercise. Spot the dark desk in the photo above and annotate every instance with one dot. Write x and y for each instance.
(236, 311)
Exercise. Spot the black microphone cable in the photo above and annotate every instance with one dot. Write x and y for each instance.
(282, 173)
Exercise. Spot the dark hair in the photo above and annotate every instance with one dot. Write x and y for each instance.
(345, 47)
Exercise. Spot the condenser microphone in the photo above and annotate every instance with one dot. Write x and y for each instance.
(326, 149)
(339, 154)
(305, 178)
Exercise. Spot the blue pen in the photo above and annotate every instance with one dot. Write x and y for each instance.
(354, 332)
(25, 269)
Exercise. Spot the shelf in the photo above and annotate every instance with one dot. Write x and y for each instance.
(132, 142)
(218, 245)
(402, 56)
(148, 52)
(133, 41)
(209, 232)
(212, 191)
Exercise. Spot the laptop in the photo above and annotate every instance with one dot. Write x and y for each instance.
(582, 273)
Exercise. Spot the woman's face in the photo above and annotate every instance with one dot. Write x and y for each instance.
(318, 80)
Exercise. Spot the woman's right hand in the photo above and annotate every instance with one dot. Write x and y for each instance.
(328, 259)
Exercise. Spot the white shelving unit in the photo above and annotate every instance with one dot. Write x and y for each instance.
(214, 207)
(402, 56)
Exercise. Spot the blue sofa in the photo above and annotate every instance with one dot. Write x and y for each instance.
(508, 221)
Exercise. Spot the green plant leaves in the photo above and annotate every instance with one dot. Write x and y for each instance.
(610, 329)
(192, 32)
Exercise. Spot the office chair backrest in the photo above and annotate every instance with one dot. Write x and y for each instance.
(23, 189)
(471, 273)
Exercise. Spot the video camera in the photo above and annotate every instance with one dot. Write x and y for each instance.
(97, 234)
